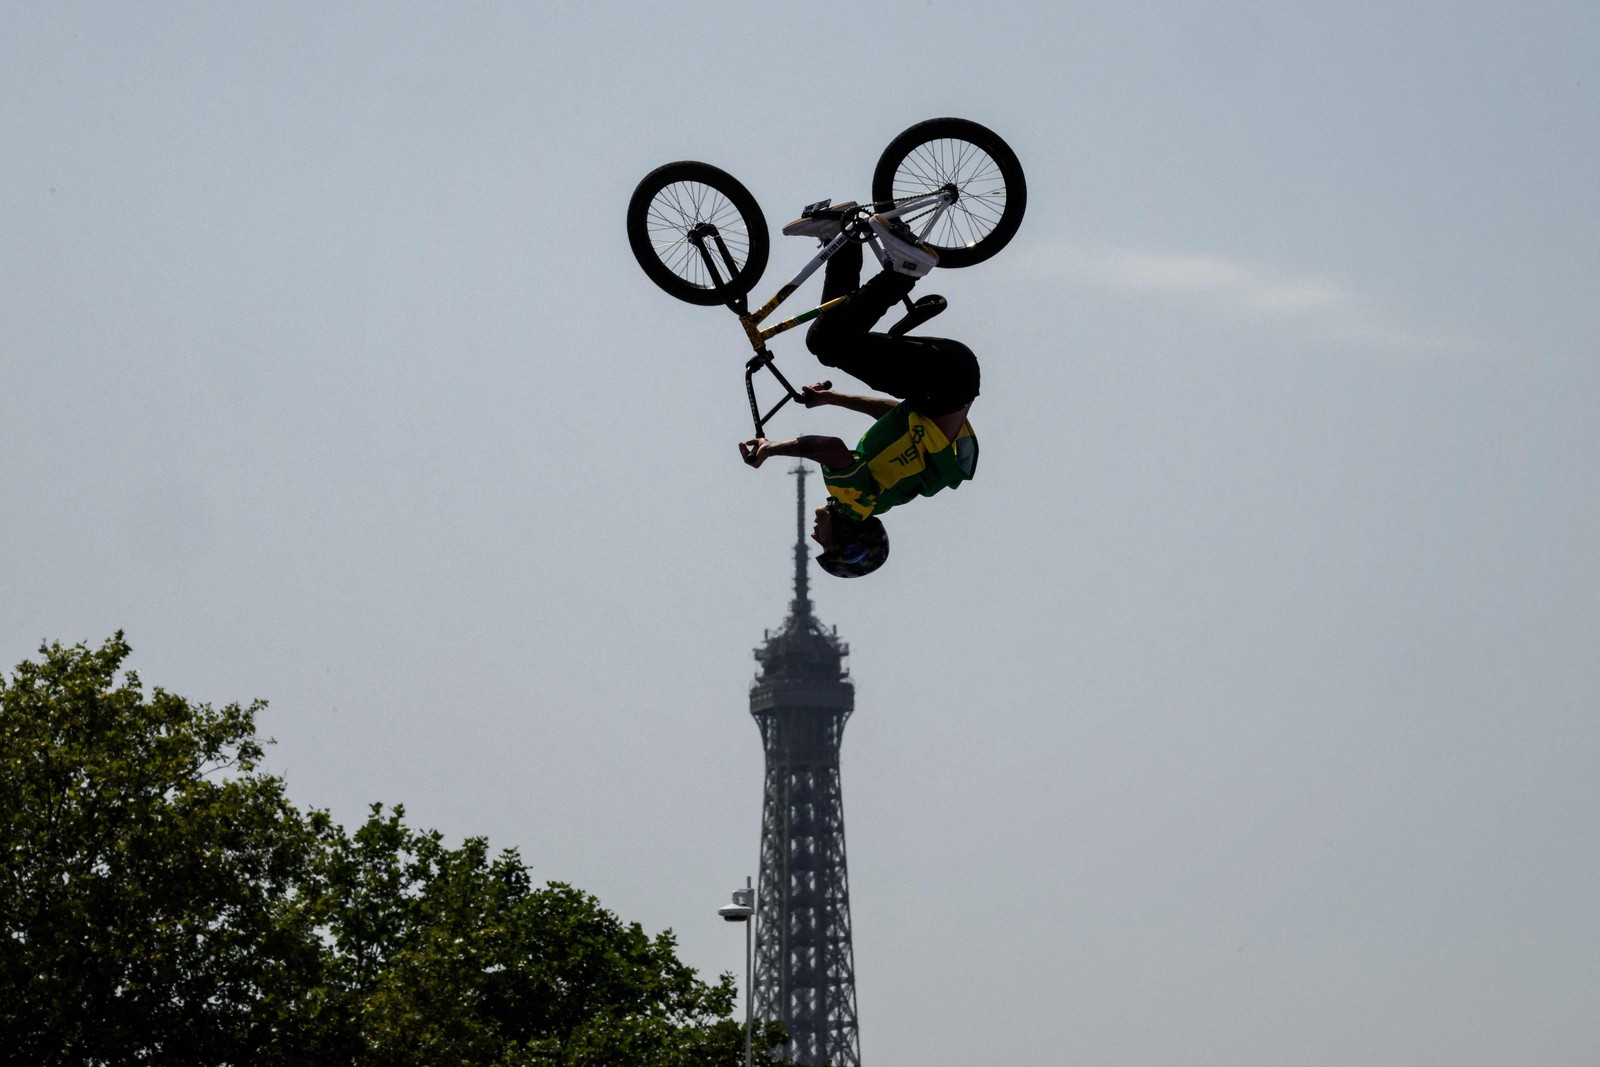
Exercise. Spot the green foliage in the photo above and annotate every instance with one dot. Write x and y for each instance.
(144, 892)
(448, 956)
(161, 901)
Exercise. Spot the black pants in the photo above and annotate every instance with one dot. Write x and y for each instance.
(935, 374)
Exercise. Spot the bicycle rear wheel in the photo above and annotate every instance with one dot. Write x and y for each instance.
(991, 192)
(680, 197)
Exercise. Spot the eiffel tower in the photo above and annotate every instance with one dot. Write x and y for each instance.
(804, 963)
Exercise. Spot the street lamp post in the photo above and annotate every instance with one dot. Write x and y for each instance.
(742, 910)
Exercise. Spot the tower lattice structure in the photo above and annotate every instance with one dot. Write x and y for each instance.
(804, 963)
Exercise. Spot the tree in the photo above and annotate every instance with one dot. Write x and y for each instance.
(447, 956)
(145, 907)
(162, 901)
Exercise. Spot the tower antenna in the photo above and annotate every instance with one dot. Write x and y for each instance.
(801, 606)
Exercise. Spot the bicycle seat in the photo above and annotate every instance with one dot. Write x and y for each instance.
(920, 312)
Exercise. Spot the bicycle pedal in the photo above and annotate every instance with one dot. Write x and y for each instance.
(922, 310)
(811, 209)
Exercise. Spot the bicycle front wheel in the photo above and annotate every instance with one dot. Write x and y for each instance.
(688, 197)
(991, 194)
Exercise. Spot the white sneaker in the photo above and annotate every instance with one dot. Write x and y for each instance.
(822, 221)
(902, 252)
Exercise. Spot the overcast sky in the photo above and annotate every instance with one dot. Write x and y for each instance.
(1242, 711)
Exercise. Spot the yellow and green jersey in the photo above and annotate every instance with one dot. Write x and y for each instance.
(903, 455)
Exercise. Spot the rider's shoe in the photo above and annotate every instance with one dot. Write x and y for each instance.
(925, 308)
(822, 221)
(901, 250)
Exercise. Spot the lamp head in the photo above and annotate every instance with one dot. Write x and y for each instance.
(742, 907)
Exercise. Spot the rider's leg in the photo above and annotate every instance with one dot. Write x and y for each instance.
(935, 374)
(866, 304)
(837, 334)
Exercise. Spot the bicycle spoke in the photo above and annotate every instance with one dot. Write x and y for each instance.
(698, 233)
(977, 178)
(942, 155)
(680, 207)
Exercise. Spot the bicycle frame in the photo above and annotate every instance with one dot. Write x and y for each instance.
(704, 237)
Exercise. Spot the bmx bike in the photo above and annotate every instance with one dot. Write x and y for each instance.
(701, 237)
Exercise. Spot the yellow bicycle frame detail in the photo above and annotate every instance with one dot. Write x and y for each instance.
(759, 337)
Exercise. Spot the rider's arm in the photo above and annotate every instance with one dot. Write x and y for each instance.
(875, 406)
(828, 451)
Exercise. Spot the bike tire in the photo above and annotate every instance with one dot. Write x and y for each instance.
(678, 196)
(993, 194)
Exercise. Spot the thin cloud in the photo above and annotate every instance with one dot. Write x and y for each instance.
(1295, 296)
(1237, 289)
(1231, 282)
(1168, 272)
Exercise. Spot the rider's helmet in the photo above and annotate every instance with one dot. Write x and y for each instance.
(857, 547)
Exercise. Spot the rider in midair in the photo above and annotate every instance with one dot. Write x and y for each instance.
(921, 442)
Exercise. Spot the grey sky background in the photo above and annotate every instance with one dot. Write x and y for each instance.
(1242, 711)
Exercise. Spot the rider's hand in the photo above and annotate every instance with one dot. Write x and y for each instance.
(753, 451)
(816, 395)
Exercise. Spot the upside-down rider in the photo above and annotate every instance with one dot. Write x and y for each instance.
(921, 442)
